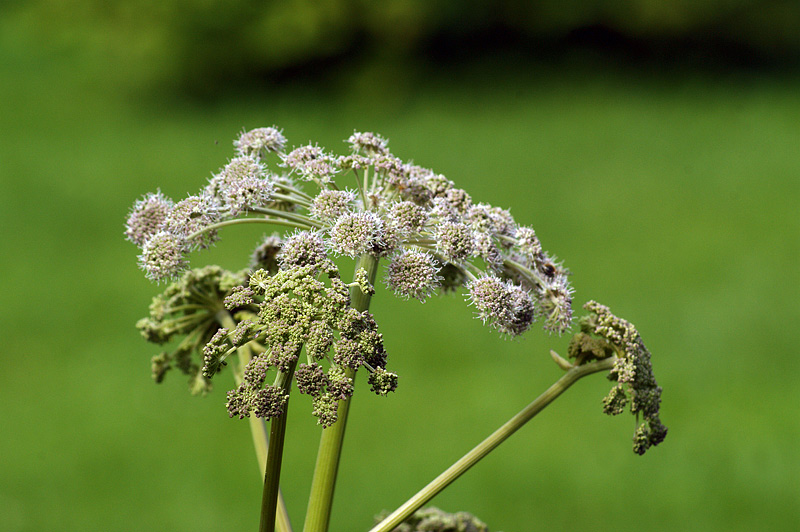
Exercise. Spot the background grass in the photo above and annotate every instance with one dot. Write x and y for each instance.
(672, 196)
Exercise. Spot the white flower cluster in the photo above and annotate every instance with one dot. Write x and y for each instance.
(432, 234)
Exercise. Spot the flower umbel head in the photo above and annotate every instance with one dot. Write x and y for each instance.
(163, 256)
(241, 184)
(311, 163)
(193, 215)
(413, 274)
(369, 143)
(330, 205)
(356, 233)
(147, 217)
(302, 249)
(506, 306)
(259, 142)
(603, 334)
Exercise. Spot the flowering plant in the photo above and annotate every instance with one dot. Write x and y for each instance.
(289, 317)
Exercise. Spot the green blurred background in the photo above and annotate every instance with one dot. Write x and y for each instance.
(654, 146)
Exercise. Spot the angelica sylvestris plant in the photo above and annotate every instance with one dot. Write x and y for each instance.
(289, 319)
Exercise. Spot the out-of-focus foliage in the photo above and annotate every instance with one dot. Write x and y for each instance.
(189, 41)
(205, 41)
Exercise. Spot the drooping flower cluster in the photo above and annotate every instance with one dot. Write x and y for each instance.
(602, 335)
(187, 308)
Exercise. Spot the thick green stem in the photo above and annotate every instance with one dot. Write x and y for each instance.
(258, 428)
(358, 299)
(261, 443)
(272, 473)
(486, 446)
(320, 500)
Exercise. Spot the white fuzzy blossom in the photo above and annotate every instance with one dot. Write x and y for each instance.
(432, 235)
(413, 274)
(260, 141)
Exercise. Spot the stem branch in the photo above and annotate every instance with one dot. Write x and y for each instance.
(239, 221)
(320, 500)
(490, 443)
(272, 473)
(258, 428)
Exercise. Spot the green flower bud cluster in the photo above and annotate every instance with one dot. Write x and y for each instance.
(283, 316)
(187, 308)
(292, 310)
(603, 335)
(433, 519)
